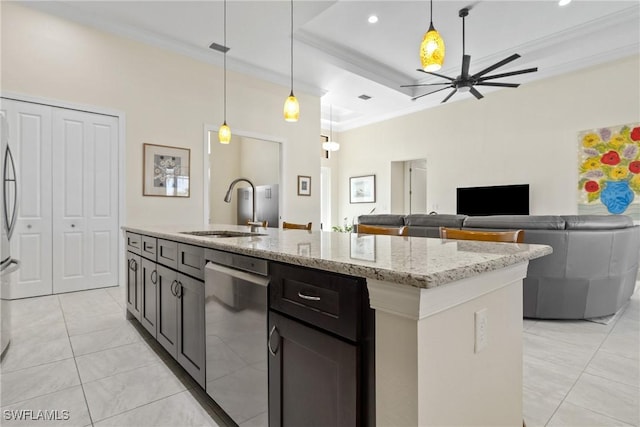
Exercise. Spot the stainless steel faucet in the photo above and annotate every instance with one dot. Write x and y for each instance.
(227, 197)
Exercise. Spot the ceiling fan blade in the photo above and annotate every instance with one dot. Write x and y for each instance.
(511, 73)
(466, 60)
(498, 84)
(429, 93)
(475, 93)
(496, 65)
(436, 74)
(449, 96)
(428, 84)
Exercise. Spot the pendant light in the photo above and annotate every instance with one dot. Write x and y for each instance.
(224, 133)
(330, 145)
(291, 106)
(431, 48)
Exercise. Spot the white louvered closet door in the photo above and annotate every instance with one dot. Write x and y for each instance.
(30, 142)
(85, 200)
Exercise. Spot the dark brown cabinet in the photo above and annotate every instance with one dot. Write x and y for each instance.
(148, 309)
(168, 303)
(134, 299)
(190, 351)
(321, 345)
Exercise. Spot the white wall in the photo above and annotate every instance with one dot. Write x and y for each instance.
(167, 99)
(512, 136)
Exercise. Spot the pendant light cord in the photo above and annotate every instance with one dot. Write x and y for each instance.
(331, 122)
(431, 13)
(291, 47)
(225, 60)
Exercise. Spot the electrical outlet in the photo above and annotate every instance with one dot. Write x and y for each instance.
(481, 329)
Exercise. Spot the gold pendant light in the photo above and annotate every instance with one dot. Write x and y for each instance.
(291, 105)
(431, 48)
(224, 133)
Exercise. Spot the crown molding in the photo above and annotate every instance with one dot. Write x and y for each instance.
(203, 54)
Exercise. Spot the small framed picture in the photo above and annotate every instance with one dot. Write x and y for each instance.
(362, 189)
(304, 185)
(165, 171)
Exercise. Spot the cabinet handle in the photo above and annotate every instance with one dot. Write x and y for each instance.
(148, 247)
(179, 289)
(130, 267)
(134, 265)
(173, 291)
(308, 297)
(273, 352)
(154, 277)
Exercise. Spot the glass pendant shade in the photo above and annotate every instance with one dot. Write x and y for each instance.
(291, 108)
(432, 50)
(330, 146)
(224, 134)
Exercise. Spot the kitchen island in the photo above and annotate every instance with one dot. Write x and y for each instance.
(448, 314)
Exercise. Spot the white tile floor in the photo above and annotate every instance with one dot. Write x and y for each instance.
(77, 352)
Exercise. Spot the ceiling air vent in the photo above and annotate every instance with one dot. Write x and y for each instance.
(219, 47)
(364, 97)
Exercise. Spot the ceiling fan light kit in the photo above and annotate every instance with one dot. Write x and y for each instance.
(224, 133)
(466, 82)
(291, 105)
(432, 48)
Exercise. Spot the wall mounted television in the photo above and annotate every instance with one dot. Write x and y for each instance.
(494, 200)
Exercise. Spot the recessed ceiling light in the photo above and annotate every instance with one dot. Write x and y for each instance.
(564, 2)
(372, 19)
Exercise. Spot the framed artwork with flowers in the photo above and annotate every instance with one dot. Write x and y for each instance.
(609, 170)
(165, 171)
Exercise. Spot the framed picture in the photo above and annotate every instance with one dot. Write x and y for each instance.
(304, 185)
(362, 189)
(165, 171)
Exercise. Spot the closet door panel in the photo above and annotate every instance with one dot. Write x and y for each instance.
(85, 209)
(30, 142)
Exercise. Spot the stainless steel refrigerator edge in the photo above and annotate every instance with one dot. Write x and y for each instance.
(8, 265)
(266, 205)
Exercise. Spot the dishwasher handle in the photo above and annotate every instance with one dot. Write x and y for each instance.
(238, 274)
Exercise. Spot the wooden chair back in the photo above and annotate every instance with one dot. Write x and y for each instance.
(511, 236)
(292, 226)
(258, 223)
(388, 231)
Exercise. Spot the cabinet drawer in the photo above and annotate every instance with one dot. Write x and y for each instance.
(326, 300)
(134, 242)
(148, 247)
(191, 260)
(167, 253)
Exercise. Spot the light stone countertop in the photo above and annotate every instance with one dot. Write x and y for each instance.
(414, 261)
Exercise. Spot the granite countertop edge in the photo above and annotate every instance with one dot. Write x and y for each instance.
(419, 280)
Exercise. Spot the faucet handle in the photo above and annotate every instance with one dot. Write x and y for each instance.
(258, 223)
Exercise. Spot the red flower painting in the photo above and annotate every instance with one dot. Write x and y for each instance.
(610, 158)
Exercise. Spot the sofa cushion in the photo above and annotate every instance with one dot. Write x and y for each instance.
(597, 222)
(382, 219)
(438, 220)
(525, 222)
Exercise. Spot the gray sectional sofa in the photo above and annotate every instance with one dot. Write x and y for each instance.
(591, 273)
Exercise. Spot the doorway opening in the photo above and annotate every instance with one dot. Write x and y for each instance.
(409, 186)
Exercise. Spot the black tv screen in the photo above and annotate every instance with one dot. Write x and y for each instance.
(495, 200)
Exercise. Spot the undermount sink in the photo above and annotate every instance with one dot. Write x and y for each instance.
(222, 233)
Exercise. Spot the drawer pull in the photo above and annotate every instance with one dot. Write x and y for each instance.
(308, 297)
(147, 247)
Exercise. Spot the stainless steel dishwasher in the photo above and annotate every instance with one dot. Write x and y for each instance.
(236, 335)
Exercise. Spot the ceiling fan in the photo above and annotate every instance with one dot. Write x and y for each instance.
(465, 82)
